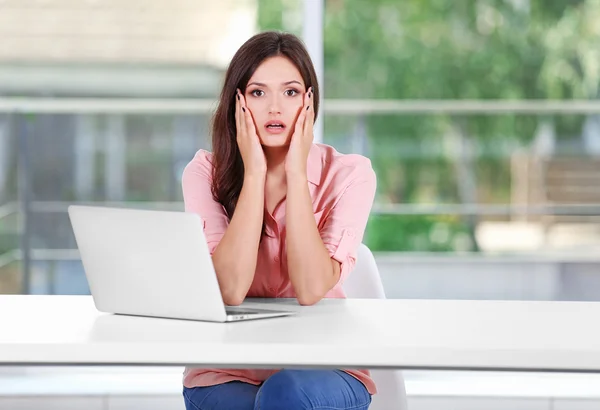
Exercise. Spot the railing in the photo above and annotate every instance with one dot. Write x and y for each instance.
(330, 106)
(378, 209)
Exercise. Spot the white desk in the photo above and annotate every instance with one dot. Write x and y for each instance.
(417, 334)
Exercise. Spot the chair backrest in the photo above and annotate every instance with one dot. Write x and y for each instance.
(364, 282)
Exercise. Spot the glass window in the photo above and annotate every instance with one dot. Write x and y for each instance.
(106, 107)
(481, 119)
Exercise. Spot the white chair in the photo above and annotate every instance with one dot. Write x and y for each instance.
(364, 282)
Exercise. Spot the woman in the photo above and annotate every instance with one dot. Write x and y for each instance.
(269, 197)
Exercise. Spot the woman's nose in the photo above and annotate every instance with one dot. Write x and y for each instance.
(274, 106)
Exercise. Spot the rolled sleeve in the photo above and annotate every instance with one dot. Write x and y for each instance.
(344, 227)
(198, 198)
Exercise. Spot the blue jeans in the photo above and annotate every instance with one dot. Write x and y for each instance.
(286, 389)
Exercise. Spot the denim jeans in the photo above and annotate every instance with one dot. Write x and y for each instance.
(286, 389)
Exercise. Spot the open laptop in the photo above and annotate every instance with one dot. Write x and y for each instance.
(152, 263)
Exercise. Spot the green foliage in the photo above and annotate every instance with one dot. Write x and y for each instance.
(281, 15)
(270, 15)
(417, 234)
(439, 49)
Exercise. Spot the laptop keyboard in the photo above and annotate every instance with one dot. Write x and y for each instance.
(241, 312)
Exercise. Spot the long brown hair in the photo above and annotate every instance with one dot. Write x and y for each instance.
(228, 168)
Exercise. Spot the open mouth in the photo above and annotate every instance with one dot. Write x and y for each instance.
(275, 127)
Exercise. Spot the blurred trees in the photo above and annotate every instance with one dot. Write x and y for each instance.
(437, 50)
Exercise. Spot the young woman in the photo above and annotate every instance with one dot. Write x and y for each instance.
(269, 197)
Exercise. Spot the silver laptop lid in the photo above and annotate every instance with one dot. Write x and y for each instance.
(149, 263)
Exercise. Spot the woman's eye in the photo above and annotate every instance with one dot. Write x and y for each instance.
(291, 93)
(257, 93)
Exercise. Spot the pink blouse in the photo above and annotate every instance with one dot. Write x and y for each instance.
(342, 188)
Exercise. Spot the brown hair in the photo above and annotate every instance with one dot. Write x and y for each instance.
(228, 168)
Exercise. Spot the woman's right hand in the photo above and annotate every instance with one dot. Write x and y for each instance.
(253, 156)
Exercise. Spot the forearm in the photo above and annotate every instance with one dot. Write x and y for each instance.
(310, 267)
(235, 256)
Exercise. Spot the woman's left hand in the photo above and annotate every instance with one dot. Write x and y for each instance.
(302, 138)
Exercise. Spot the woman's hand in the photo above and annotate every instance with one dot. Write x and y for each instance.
(253, 156)
(302, 139)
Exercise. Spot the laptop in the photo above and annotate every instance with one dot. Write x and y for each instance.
(152, 263)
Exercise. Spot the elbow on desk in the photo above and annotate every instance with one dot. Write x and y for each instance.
(233, 291)
(307, 299)
(233, 298)
(311, 294)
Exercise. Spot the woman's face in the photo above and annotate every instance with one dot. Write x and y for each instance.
(274, 95)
